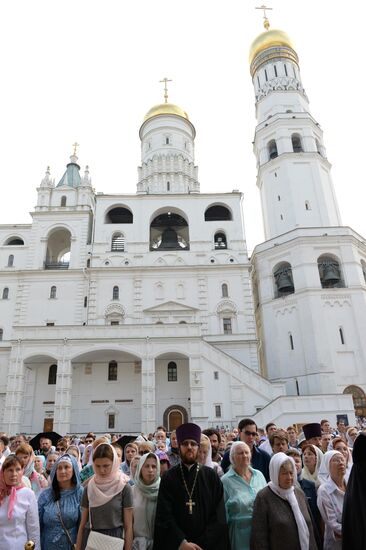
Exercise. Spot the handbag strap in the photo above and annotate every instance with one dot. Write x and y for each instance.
(62, 523)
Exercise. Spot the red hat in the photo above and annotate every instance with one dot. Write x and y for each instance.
(188, 431)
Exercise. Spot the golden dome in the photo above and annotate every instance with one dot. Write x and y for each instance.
(165, 109)
(269, 39)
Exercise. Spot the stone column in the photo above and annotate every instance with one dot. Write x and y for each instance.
(62, 418)
(148, 404)
(14, 392)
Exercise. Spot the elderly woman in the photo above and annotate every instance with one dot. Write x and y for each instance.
(281, 517)
(330, 499)
(312, 458)
(354, 509)
(145, 495)
(59, 506)
(241, 484)
(18, 508)
(339, 445)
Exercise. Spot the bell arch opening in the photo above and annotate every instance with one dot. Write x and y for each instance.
(58, 249)
(283, 280)
(330, 272)
(169, 231)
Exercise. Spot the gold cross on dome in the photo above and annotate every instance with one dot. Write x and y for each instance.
(75, 146)
(165, 80)
(264, 8)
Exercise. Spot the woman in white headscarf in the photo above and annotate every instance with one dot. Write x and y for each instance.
(145, 495)
(331, 498)
(281, 516)
(205, 455)
(312, 458)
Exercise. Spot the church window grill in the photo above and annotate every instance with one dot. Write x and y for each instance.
(63, 200)
(112, 371)
(227, 325)
(272, 149)
(52, 375)
(11, 260)
(292, 347)
(172, 372)
(85, 301)
(1, 334)
(118, 243)
(220, 240)
(330, 272)
(5, 293)
(296, 143)
(265, 74)
(224, 290)
(275, 70)
(285, 67)
(217, 212)
(115, 293)
(111, 421)
(119, 214)
(341, 335)
(283, 280)
(218, 411)
(53, 293)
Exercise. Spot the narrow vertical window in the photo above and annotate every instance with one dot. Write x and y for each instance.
(63, 201)
(278, 198)
(291, 341)
(111, 421)
(259, 82)
(275, 70)
(5, 293)
(281, 216)
(53, 292)
(167, 141)
(341, 335)
(218, 411)
(115, 294)
(307, 205)
(52, 375)
(85, 301)
(1, 334)
(112, 371)
(227, 325)
(88, 262)
(168, 185)
(224, 290)
(284, 65)
(216, 375)
(11, 260)
(293, 69)
(172, 372)
(265, 74)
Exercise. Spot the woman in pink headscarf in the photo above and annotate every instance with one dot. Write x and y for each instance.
(107, 501)
(18, 508)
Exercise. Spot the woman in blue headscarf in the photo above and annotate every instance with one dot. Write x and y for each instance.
(59, 506)
(145, 495)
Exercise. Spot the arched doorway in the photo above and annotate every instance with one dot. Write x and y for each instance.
(359, 399)
(174, 416)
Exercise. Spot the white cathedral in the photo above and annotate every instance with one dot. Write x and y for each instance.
(120, 312)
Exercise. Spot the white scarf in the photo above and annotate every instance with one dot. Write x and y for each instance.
(277, 461)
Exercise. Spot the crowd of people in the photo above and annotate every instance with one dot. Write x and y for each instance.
(191, 489)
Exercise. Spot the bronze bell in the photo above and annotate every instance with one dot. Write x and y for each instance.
(169, 239)
(284, 281)
(331, 274)
(29, 545)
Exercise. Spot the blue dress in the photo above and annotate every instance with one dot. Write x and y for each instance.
(53, 536)
(239, 499)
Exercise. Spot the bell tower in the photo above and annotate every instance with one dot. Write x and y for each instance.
(293, 171)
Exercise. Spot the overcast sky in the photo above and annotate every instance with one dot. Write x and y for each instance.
(89, 70)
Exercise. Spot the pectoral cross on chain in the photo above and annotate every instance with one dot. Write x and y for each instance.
(190, 504)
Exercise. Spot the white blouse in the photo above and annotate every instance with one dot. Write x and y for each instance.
(24, 524)
(330, 504)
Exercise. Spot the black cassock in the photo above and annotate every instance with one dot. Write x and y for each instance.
(206, 526)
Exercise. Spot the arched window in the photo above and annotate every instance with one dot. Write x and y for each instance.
(11, 260)
(172, 372)
(5, 293)
(224, 290)
(119, 214)
(118, 242)
(112, 370)
(53, 292)
(220, 240)
(1, 334)
(217, 212)
(169, 231)
(52, 375)
(15, 241)
(284, 283)
(330, 272)
(115, 294)
(296, 143)
(63, 200)
(272, 149)
(359, 399)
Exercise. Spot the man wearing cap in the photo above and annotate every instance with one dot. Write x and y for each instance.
(190, 512)
(313, 433)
